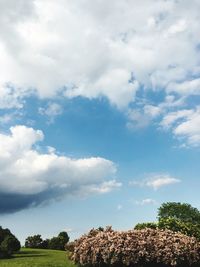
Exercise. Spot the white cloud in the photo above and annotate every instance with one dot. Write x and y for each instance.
(156, 181)
(92, 49)
(191, 87)
(119, 50)
(146, 201)
(172, 117)
(32, 178)
(185, 124)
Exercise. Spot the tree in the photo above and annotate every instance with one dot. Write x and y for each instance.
(9, 244)
(59, 242)
(55, 243)
(179, 211)
(64, 236)
(34, 241)
(45, 244)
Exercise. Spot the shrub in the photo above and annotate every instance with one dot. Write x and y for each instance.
(9, 244)
(147, 247)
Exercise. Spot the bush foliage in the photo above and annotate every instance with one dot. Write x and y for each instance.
(9, 244)
(147, 247)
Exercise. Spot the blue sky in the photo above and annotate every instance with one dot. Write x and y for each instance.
(99, 120)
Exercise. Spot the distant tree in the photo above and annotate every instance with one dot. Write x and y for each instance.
(64, 236)
(34, 241)
(59, 242)
(45, 244)
(179, 211)
(56, 243)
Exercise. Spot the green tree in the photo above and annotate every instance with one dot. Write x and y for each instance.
(34, 241)
(55, 243)
(179, 211)
(9, 244)
(59, 242)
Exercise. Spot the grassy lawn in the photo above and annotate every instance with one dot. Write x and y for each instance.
(37, 258)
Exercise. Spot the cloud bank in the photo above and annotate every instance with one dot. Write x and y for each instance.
(29, 178)
(116, 50)
(94, 49)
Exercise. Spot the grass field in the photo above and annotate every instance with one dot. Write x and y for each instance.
(37, 258)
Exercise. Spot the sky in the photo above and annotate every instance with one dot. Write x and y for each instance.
(99, 112)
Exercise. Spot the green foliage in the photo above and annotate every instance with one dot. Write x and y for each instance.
(64, 237)
(9, 244)
(141, 226)
(59, 242)
(55, 243)
(175, 225)
(34, 241)
(180, 211)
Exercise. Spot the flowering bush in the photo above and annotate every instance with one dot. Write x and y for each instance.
(147, 247)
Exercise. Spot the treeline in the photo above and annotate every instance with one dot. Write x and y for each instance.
(9, 244)
(57, 243)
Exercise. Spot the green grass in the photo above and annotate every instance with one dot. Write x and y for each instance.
(38, 258)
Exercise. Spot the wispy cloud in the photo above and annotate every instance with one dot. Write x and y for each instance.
(51, 111)
(185, 124)
(155, 181)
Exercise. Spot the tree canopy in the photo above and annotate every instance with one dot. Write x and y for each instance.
(179, 211)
